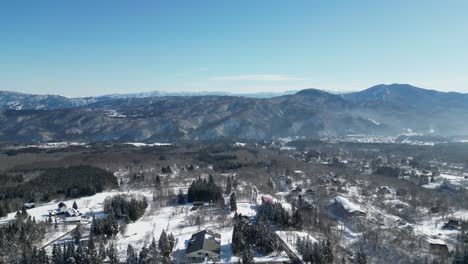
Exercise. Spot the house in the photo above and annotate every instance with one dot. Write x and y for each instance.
(71, 215)
(384, 190)
(438, 247)
(29, 205)
(267, 199)
(197, 205)
(349, 208)
(453, 224)
(62, 208)
(203, 246)
(71, 212)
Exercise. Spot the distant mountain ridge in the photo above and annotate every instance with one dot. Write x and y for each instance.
(22, 101)
(379, 110)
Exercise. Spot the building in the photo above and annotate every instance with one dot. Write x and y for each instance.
(438, 247)
(71, 215)
(267, 199)
(384, 190)
(453, 223)
(197, 205)
(71, 212)
(349, 208)
(29, 205)
(62, 208)
(203, 246)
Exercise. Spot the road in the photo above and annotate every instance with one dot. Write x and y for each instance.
(291, 254)
(58, 238)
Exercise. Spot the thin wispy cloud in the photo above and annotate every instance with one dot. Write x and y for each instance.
(255, 77)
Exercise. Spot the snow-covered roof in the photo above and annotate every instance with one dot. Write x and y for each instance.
(436, 241)
(72, 212)
(347, 205)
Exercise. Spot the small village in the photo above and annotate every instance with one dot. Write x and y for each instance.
(207, 212)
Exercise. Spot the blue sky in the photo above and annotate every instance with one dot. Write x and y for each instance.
(82, 48)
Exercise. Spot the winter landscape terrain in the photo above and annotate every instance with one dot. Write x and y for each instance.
(280, 201)
(246, 131)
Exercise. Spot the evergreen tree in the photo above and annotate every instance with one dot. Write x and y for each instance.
(297, 219)
(153, 252)
(75, 206)
(210, 179)
(171, 242)
(102, 251)
(91, 250)
(327, 252)
(201, 190)
(112, 254)
(2, 211)
(163, 243)
(228, 188)
(180, 197)
(81, 256)
(361, 257)
(57, 255)
(77, 234)
(233, 202)
(234, 184)
(70, 260)
(158, 181)
(144, 256)
(132, 257)
(247, 255)
(237, 239)
(42, 257)
(457, 257)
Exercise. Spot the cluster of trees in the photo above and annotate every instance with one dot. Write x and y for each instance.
(233, 202)
(276, 214)
(157, 181)
(79, 252)
(19, 236)
(460, 255)
(4, 209)
(166, 243)
(166, 169)
(11, 179)
(259, 234)
(125, 207)
(156, 253)
(388, 171)
(203, 190)
(221, 162)
(73, 182)
(231, 184)
(107, 227)
(315, 252)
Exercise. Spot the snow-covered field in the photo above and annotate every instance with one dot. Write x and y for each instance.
(87, 206)
(140, 144)
(176, 219)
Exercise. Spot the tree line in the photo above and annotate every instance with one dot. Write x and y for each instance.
(204, 190)
(71, 182)
(125, 207)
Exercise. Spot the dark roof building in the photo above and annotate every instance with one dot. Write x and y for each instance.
(204, 245)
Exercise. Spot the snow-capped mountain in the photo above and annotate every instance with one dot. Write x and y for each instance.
(379, 110)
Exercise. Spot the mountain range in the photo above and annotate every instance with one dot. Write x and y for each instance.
(151, 117)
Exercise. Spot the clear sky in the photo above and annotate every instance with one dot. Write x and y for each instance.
(93, 47)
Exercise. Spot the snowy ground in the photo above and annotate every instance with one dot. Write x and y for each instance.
(176, 219)
(87, 206)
